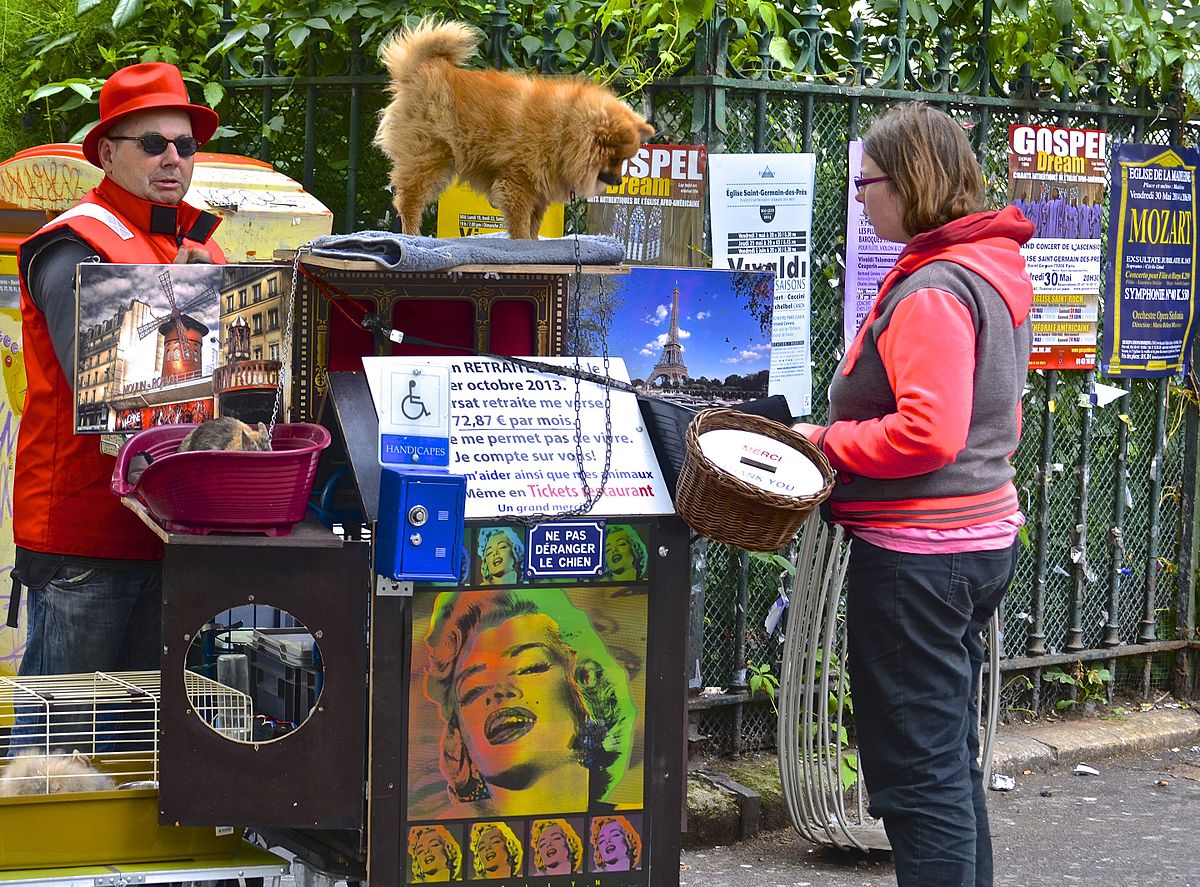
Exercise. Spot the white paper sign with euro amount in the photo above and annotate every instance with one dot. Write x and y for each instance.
(513, 434)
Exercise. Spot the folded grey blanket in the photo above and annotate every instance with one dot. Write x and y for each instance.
(408, 252)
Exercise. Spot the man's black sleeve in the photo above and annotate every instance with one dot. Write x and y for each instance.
(51, 280)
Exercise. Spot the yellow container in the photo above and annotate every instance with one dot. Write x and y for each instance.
(112, 827)
(263, 209)
(45, 831)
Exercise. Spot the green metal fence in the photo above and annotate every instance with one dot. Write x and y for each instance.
(1107, 572)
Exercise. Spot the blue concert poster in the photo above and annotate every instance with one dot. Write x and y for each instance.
(1150, 291)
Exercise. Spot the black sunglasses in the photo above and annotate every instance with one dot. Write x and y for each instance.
(155, 143)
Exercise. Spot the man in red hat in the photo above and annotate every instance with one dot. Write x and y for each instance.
(93, 570)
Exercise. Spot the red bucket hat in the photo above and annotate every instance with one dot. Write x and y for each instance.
(140, 88)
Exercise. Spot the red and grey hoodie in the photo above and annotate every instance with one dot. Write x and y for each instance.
(925, 408)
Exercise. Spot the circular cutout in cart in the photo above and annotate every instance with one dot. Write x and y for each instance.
(253, 674)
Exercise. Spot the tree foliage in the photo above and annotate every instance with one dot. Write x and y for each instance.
(1073, 48)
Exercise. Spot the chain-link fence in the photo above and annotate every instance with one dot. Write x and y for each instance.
(1097, 609)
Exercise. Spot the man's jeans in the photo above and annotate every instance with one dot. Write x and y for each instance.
(88, 619)
(914, 624)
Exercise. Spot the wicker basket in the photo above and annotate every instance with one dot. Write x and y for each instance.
(720, 506)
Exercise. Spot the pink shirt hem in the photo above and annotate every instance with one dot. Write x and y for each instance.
(991, 536)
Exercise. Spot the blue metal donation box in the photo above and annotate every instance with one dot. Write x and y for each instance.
(418, 536)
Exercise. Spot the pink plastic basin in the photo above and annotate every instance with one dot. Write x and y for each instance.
(224, 491)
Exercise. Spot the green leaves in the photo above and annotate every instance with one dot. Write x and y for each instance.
(126, 12)
(773, 561)
(1090, 683)
(1064, 12)
(77, 92)
(298, 34)
(229, 41)
(761, 679)
(848, 771)
(214, 93)
(1149, 41)
(44, 92)
(1055, 675)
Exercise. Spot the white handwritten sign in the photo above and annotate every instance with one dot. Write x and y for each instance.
(513, 434)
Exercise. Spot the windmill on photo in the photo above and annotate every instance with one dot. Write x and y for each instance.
(183, 335)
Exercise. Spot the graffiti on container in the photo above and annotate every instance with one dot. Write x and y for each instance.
(45, 182)
(12, 643)
(244, 199)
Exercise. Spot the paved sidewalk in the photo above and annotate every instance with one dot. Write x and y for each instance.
(1040, 745)
(723, 809)
(1133, 825)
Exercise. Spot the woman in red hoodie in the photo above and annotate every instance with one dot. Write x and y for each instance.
(925, 411)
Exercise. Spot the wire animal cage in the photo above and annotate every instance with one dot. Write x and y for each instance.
(67, 724)
(105, 720)
(79, 769)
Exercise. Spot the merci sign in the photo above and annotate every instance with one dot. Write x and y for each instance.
(565, 549)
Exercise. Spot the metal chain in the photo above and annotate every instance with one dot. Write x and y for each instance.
(576, 347)
(286, 356)
(591, 497)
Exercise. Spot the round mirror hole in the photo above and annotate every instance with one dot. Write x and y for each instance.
(253, 674)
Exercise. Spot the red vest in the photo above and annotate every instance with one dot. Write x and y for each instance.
(62, 500)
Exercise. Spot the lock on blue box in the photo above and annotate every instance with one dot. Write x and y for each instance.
(419, 531)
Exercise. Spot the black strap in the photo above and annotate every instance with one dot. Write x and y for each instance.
(163, 219)
(14, 604)
(203, 227)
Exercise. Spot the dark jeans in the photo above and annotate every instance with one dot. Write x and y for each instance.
(88, 619)
(914, 624)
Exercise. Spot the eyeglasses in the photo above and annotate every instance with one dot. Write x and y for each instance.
(860, 182)
(155, 143)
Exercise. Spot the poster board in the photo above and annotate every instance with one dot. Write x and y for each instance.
(526, 693)
(411, 811)
(149, 339)
(657, 209)
(1057, 177)
(462, 212)
(1150, 291)
(701, 336)
(528, 730)
(868, 256)
(761, 209)
(12, 404)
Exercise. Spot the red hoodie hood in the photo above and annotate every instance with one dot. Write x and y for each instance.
(986, 243)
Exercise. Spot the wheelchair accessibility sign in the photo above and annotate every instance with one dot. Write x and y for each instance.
(413, 403)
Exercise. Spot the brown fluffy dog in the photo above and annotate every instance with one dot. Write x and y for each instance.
(523, 141)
